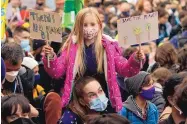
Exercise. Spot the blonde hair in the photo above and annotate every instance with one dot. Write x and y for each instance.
(78, 32)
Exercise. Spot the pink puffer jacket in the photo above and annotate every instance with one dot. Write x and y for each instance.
(114, 63)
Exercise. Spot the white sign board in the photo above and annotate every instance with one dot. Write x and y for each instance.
(138, 29)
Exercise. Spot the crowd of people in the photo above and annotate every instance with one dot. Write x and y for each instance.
(91, 79)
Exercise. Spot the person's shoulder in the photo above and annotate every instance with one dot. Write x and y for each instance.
(68, 117)
(108, 39)
(123, 111)
(152, 106)
(169, 120)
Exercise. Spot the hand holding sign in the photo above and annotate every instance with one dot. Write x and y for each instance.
(139, 29)
(45, 26)
(48, 50)
(140, 55)
(143, 28)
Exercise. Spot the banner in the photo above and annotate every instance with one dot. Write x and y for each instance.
(138, 29)
(45, 25)
(4, 4)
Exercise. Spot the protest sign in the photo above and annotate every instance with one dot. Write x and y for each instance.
(138, 29)
(4, 4)
(45, 25)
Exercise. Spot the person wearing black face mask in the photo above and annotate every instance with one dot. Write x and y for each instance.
(40, 5)
(37, 49)
(126, 14)
(125, 10)
(15, 109)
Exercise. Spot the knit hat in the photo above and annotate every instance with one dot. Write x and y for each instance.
(3, 69)
(134, 83)
(38, 43)
(29, 62)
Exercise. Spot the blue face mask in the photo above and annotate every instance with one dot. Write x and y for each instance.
(37, 77)
(148, 94)
(25, 45)
(99, 104)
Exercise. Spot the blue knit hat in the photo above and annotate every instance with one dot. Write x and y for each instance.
(3, 69)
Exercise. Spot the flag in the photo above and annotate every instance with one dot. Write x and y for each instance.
(4, 4)
(71, 8)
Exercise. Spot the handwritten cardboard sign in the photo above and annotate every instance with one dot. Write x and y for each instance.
(138, 29)
(45, 25)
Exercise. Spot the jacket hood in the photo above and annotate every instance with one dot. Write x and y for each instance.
(129, 104)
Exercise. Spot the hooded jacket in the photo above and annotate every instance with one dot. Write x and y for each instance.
(113, 62)
(131, 112)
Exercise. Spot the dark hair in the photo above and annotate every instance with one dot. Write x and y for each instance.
(180, 96)
(107, 119)
(182, 14)
(163, 4)
(162, 12)
(147, 80)
(75, 104)
(9, 105)
(182, 58)
(169, 88)
(136, 13)
(184, 23)
(129, 51)
(166, 55)
(20, 29)
(12, 52)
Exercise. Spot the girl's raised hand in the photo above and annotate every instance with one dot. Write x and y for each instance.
(140, 55)
(48, 50)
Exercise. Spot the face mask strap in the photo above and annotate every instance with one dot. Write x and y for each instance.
(180, 112)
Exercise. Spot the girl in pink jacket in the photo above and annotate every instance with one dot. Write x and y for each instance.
(89, 53)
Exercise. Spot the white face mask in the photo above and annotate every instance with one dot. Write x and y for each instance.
(170, 11)
(11, 76)
(112, 10)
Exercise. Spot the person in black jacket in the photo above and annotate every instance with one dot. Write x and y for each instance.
(18, 79)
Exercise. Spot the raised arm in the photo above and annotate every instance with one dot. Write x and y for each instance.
(58, 65)
(130, 67)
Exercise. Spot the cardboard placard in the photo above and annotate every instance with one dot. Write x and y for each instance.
(138, 29)
(45, 25)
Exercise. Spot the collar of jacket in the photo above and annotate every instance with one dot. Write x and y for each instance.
(129, 104)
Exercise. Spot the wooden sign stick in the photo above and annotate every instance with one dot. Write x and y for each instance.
(140, 47)
(48, 56)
